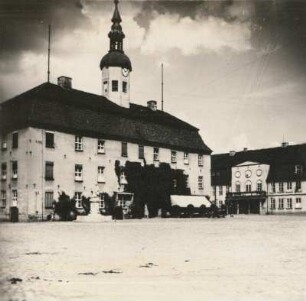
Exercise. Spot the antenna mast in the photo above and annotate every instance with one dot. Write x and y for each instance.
(162, 87)
(49, 42)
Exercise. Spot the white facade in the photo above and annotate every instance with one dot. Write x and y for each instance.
(286, 197)
(43, 171)
(116, 85)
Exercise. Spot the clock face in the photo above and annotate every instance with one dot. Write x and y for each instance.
(248, 173)
(259, 172)
(125, 72)
(237, 174)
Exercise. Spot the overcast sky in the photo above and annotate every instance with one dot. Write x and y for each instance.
(234, 69)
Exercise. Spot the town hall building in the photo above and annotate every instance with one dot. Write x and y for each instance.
(56, 138)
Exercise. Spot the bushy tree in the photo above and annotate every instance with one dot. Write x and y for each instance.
(65, 208)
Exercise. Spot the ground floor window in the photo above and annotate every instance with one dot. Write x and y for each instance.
(200, 183)
(78, 199)
(273, 204)
(14, 197)
(289, 203)
(298, 203)
(237, 186)
(3, 199)
(281, 204)
(102, 201)
(49, 199)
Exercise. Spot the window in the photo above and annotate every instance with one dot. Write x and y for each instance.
(238, 187)
(14, 197)
(105, 86)
(49, 199)
(49, 140)
(298, 169)
(298, 203)
(3, 171)
(114, 86)
(220, 190)
(124, 87)
(49, 171)
(3, 199)
(186, 158)
(289, 203)
(78, 145)
(140, 151)
(200, 183)
(101, 146)
(228, 188)
(248, 186)
(4, 142)
(200, 160)
(78, 172)
(259, 186)
(78, 199)
(101, 178)
(289, 185)
(281, 204)
(273, 187)
(124, 149)
(174, 183)
(173, 156)
(281, 187)
(156, 154)
(298, 185)
(14, 169)
(273, 206)
(15, 140)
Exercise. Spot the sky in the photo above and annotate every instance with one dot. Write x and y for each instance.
(234, 69)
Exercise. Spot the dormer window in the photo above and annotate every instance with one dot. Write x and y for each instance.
(114, 86)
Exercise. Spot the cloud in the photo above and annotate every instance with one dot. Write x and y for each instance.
(190, 36)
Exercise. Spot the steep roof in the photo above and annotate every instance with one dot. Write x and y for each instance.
(282, 161)
(72, 111)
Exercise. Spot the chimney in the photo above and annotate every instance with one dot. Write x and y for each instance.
(285, 144)
(152, 104)
(245, 149)
(232, 153)
(65, 82)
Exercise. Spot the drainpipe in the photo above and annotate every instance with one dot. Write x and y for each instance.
(42, 175)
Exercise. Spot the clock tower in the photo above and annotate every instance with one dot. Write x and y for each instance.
(116, 66)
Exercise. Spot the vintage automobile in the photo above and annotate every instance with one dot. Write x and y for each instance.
(189, 205)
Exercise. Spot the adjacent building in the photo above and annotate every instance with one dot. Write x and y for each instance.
(262, 181)
(56, 138)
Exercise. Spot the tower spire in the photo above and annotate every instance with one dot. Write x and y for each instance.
(116, 34)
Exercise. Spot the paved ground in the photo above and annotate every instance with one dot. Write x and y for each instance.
(241, 258)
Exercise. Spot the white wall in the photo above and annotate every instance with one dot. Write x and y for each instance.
(32, 155)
